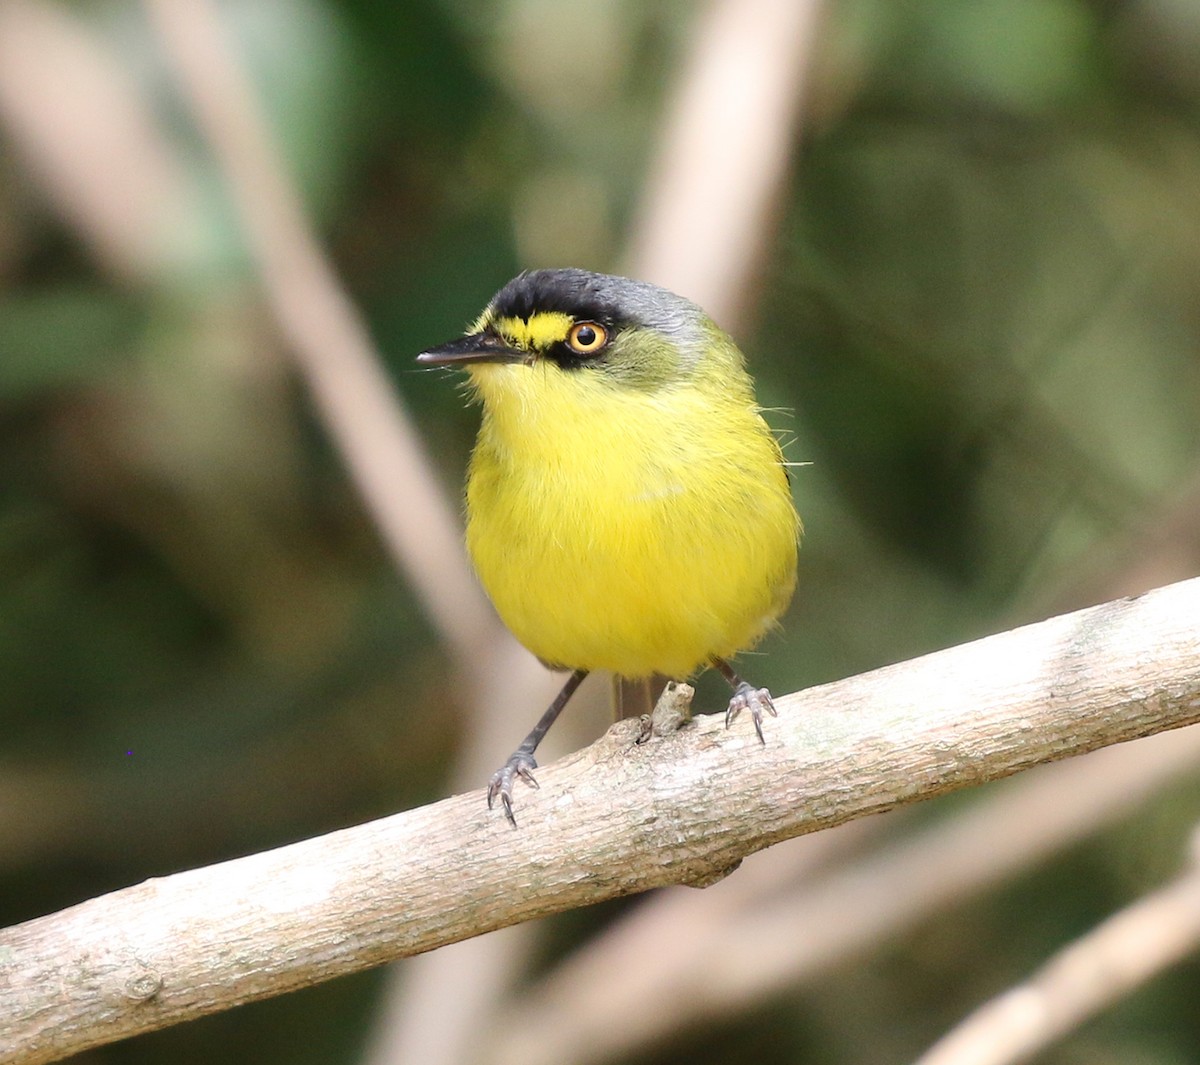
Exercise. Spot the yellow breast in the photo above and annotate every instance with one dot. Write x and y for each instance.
(616, 529)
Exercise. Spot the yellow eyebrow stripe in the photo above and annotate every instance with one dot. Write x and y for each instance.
(539, 333)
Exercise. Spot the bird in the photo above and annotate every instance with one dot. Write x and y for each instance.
(628, 509)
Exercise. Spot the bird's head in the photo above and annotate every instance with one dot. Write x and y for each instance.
(600, 329)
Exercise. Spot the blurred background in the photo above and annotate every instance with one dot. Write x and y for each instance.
(961, 249)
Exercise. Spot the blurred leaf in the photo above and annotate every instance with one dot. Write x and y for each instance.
(58, 337)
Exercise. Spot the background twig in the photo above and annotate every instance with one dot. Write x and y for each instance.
(724, 153)
(363, 414)
(1098, 969)
(358, 404)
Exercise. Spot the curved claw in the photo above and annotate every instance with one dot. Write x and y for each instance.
(520, 765)
(756, 700)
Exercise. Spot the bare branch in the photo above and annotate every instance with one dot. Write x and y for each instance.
(587, 1007)
(1093, 972)
(611, 820)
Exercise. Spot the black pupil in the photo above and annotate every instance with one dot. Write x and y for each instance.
(585, 336)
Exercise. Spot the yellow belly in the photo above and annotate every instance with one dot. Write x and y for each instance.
(631, 537)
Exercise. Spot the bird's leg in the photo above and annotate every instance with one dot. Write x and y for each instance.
(521, 762)
(745, 697)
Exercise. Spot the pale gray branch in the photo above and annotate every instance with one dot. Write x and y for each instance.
(588, 1009)
(611, 820)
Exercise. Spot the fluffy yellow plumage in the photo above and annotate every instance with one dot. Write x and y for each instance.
(627, 506)
(627, 531)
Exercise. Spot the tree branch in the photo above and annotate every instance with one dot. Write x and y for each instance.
(611, 820)
(589, 1008)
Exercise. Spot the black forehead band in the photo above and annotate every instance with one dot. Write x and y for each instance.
(550, 291)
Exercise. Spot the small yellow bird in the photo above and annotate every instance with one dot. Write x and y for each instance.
(628, 509)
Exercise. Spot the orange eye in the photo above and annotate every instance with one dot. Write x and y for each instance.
(587, 338)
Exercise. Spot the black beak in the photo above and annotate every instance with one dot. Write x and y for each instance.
(477, 347)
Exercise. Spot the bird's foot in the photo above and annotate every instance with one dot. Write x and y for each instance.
(520, 764)
(756, 700)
